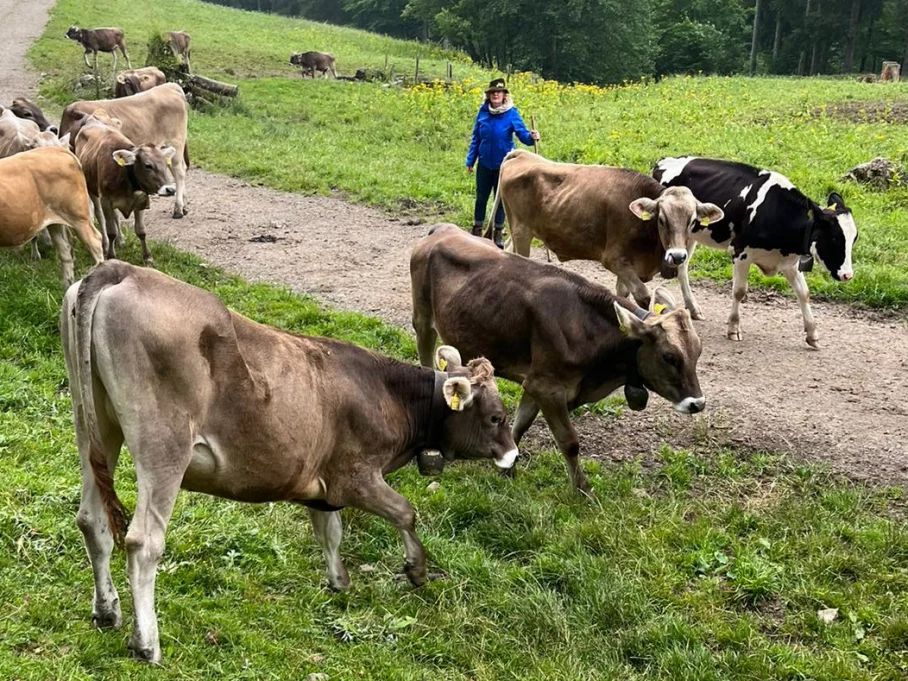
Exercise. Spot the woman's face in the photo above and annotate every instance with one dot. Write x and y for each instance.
(496, 98)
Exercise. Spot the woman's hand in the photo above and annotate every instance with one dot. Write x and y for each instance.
(535, 135)
(469, 169)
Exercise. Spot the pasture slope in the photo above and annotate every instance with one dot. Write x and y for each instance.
(710, 565)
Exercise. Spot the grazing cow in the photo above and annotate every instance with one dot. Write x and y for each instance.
(212, 402)
(157, 116)
(24, 108)
(45, 188)
(621, 218)
(566, 340)
(767, 223)
(138, 80)
(179, 42)
(96, 40)
(314, 61)
(120, 176)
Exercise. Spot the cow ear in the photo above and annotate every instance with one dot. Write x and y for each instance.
(447, 358)
(628, 323)
(64, 141)
(835, 202)
(168, 153)
(643, 208)
(124, 157)
(458, 393)
(708, 213)
(661, 302)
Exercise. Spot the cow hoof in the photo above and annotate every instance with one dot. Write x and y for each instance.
(106, 620)
(177, 215)
(697, 315)
(149, 261)
(416, 575)
(814, 343)
(734, 335)
(339, 582)
(145, 654)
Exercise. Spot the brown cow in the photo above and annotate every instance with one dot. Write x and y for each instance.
(24, 108)
(96, 40)
(621, 218)
(314, 61)
(20, 134)
(212, 402)
(45, 188)
(180, 42)
(120, 176)
(157, 116)
(566, 340)
(138, 80)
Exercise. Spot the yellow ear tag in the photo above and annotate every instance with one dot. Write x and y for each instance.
(659, 308)
(646, 215)
(169, 161)
(121, 161)
(455, 402)
(442, 363)
(704, 222)
(831, 207)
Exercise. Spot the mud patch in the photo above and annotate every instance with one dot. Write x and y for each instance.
(866, 112)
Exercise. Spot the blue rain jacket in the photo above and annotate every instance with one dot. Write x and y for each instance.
(493, 136)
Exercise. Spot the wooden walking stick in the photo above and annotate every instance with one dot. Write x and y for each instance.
(487, 233)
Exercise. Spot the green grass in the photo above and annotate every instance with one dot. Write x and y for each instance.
(710, 566)
(404, 149)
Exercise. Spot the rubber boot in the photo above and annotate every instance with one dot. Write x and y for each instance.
(497, 237)
(477, 230)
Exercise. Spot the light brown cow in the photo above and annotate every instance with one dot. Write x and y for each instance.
(45, 188)
(212, 402)
(20, 134)
(96, 40)
(180, 43)
(565, 340)
(157, 116)
(138, 80)
(120, 176)
(621, 218)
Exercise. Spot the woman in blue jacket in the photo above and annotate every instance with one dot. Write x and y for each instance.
(496, 124)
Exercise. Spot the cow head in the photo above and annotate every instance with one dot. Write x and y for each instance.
(676, 212)
(23, 108)
(668, 352)
(50, 139)
(476, 424)
(74, 33)
(150, 165)
(296, 59)
(833, 235)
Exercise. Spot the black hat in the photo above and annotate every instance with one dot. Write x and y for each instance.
(497, 85)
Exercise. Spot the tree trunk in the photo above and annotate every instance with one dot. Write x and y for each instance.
(777, 39)
(754, 39)
(853, 23)
(802, 60)
(868, 46)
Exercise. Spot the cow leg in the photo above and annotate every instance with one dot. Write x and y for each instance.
(799, 284)
(739, 293)
(179, 177)
(426, 335)
(627, 277)
(683, 277)
(113, 53)
(64, 253)
(140, 232)
(376, 496)
(85, 58)
(328, 531)
(527, 411)
(555, 411)
(521, 240)
(125, 56)
(112, 226)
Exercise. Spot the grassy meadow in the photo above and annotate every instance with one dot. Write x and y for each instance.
(403, 149)
(709, 566)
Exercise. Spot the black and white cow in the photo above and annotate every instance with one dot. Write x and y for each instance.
(767, 223)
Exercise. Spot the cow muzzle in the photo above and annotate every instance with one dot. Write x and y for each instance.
(691, 405)
(167, 190)
(675, 256)
(507, 460)
(845, 275)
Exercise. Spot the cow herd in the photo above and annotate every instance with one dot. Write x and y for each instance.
(210, 401)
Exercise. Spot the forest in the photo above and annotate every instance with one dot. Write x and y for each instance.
(611, 41)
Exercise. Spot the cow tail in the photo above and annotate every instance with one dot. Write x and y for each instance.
(186, 154)
(495, 204)
(83, 311)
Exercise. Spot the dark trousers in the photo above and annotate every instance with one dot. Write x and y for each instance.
(486, 181)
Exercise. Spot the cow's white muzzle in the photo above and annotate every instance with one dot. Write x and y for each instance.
(167, 190)
(675, 256)
(691, 405)
(507, 459)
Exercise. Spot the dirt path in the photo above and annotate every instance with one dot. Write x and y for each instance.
(846, 405)
(21, 23)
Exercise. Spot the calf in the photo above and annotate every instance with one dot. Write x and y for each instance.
(96, 40)
(138, 80)
(566, 340)
(621, 218)
(45, 188)
(767, 223)
(120, 176)
(23, 108)
(157, 116)
(179, 42)
(314, 61)
(212, 402)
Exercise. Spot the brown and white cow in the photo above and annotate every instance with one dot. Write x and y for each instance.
(131, 81)
(157, 116)
(212, 402)
(310, 62)
(180, 43)
(121, 176)
(621, 218)
(566, 340)
(24, 108)
(96, 40)
(45, 188)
